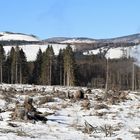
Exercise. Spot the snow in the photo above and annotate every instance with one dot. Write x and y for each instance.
(78, 41)
(16, 36)
(112, 52)
(32, 50)
(67, 122)
(119, 52)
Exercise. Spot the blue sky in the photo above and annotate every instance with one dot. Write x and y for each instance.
(71, 18)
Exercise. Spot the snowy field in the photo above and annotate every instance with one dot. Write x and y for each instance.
(32, 50)
(69, 119)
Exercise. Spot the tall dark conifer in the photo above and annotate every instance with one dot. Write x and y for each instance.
(47, 66)
(69, 63)
(2, 61)
(60, 67)
(37, 68)
(23, 68)
(12, 59)
(17, 62)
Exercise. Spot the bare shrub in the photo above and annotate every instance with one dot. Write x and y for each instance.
(107, 129)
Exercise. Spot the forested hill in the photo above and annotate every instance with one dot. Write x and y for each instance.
(83, 43)
(80, 43)
(49, 62)
(10, 38)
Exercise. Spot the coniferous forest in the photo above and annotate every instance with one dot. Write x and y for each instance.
(68, 68)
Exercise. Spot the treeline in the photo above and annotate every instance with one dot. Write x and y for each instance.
(122, 73)
(14, 66)
(68, 68)
(47, 69)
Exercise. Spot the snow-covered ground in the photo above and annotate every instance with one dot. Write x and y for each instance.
(67, 121)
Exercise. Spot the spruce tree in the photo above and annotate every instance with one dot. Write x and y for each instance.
(23, 68)
(17, 59)
(51, 65)
(60, 67)
(17, 66)
(7, 75)
(2, 60)
(47, 66)
(36, 76)
(12, 59)
(69, 63)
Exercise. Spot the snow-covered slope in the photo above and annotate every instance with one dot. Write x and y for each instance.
(32, 50)
(118, 52)
(17, 36)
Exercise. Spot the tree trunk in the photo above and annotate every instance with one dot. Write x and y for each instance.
(12, 76)
(20, 74)
(50, 77)
(60, 75)
(16, 80)
(107, 76)
(1, 73)
(133, 76)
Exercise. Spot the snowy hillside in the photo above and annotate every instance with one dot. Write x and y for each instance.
(118, 52)
(32, 50)
(134, 38)
(30, 44)
(17, 36)
(79, 40)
